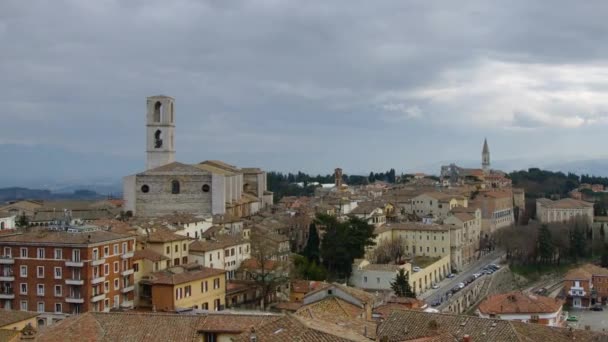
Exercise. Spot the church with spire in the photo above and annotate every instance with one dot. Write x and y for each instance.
(483, 178)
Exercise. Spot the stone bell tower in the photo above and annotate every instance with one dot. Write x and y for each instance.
(160, 127)
(485, 157)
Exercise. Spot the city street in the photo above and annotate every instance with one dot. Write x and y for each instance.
(447, 284)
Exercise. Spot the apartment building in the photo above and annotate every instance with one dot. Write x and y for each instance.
(225, 252)
(184, 287)
(586, 286)
(496, 210)
(563, 210)
(68, 271)
(436, 204)
(163, 241)
(465, 237)
(420, 239)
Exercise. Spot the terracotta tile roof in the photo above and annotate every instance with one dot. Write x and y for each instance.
(578, 274)
(518, 302)
(565, 203)
(360, 295)
(148, 254)
(110, 327)
(405, 325)
(182, 274)
(219, 242)
(331, 308)
(253, 264)
(164, 235)
(288, 306)
(464, 217)
(291, 328)
(234, 323)
(414, 226)
(56, 238)
(595, 270)
(537, 332)
(13, 316)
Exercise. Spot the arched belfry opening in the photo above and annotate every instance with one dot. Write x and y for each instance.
(158, 141)
(158, 108)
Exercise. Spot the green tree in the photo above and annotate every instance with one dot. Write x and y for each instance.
(343, 242)
(401, 285)
(22, 221)
(605, 257)
(309, 270)
(545, 246)
(311, 251)
(578, 244)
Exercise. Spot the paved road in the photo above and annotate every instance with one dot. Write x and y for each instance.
(447, 284)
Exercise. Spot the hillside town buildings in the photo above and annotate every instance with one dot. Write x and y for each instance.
(563, 210)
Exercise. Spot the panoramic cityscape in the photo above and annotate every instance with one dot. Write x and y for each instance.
(281, 171)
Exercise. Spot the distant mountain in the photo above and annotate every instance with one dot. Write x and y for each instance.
(594, 167)
(17, 193)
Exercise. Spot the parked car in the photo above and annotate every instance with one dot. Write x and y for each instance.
(434, 286)
(461, 286)
(436, 303)
(451, 275)
(416, 269)
(495, 266)
(597, 308)
(542, 291)
(456, 289)
(572, 318)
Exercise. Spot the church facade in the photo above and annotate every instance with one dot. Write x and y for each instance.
(208, 188)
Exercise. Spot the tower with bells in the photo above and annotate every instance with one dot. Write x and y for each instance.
(160, 129)
(485, 157)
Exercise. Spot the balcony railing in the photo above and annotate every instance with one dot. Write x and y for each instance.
(7, 276)
(126, 304)
(128, 289)
(127, 273)
(97, 298)
(74, 281)
(127, 255)
(97, 280)
(6, 260)
(98, 262)
(74, 263)
(7, 294)
(74, 299)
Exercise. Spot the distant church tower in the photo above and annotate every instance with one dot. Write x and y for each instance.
(485, 157)
(160, 126)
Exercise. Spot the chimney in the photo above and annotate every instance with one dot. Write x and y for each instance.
(467, 338)
(252, 335)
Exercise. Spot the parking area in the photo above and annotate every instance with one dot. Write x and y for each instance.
(596, 320)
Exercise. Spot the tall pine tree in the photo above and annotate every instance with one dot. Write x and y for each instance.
(401, 285)
(311, 251)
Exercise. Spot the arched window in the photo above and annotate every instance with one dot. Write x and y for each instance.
(158, 141)
(158, 108)
(174, 187)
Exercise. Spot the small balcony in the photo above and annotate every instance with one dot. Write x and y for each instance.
(127, 273)
(128, 289)
(74, 263)
(98, 262)
(6, 260)
(98, 297)
(74, 299)
(98, 280)
(6, 277)
(127, 304)
(577, 292)
(127, 255)
(74, 281)
(7, 294)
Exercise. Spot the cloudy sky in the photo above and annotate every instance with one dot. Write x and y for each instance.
(301, 85)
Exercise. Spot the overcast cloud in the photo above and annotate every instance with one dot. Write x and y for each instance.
(305, 85)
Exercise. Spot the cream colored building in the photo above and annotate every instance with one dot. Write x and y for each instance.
(170, 245)
(465, 236)
(225, 252)
(496, 210)
(432, 240)
(437, 204)
(563, 210)
(370, 276)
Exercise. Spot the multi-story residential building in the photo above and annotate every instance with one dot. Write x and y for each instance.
(225, 252)
(436, 204)
(146, 261)
(563, 210)
(586, 286)
(68, 271)
(171, 245)
(420, 239)
(372, 213)
(520, 307)
(184, 287)
(465, 239)
(496, 210)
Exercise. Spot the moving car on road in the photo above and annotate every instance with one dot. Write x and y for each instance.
(572, 318)
(451, 275)
(435, 286)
